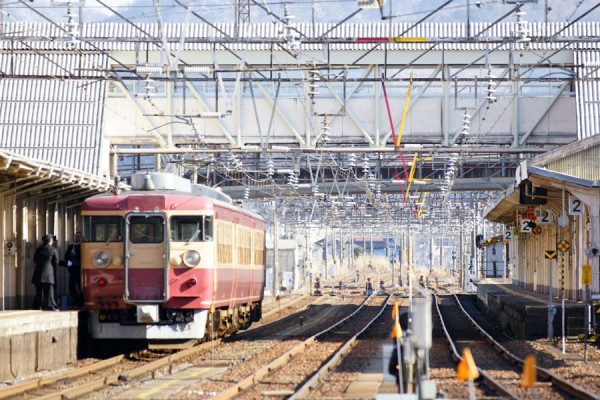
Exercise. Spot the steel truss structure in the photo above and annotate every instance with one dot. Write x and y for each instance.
(368, 124)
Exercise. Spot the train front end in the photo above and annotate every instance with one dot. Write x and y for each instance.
(147, 265)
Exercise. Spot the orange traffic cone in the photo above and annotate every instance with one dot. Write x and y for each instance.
(397, 331)
(529, 377)
(467, 370)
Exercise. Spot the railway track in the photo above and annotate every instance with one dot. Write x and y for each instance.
(228, 368)
(343, 374)
(97, 376)
(118, 370)
(182, 374)
(309, 360)
(500, 369)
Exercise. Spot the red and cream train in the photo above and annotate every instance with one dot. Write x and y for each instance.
(170, 260)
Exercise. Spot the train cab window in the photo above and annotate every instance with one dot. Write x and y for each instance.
(102, 229)
(191, 228)
(208, 228)
(145, 229)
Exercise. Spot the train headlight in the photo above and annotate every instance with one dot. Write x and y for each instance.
(175, 260)
(117, 261)
(191, 258)
(101, 259)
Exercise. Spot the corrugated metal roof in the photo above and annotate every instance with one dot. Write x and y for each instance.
(580, 159)
(114, 37)
(57, 120)
(587, 90)
(60, 120)
(60, 65)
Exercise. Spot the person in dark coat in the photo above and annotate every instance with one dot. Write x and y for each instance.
(73, 259)
(46, 262)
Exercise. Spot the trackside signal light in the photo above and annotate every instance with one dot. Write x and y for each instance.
(102, 282)
(467, 370)
(529, 377)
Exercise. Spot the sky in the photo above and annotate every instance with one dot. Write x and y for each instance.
(303, 11)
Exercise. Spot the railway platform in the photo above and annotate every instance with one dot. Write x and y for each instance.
(32, 341)
(523, 314)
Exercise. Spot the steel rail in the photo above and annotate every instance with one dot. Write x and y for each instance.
(556, 380)
(20, 388)
(99, 384)
(315, 381)
(254, 378)
(144, 370)
(491, 382)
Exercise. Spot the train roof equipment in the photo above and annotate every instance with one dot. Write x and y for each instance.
(169, 182)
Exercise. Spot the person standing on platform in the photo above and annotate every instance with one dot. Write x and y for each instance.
(46, 262)
(73, 258)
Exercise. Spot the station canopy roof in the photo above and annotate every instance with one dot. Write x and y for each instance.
(537, 185)
(21, 175)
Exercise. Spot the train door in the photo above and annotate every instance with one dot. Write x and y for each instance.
(146, 262)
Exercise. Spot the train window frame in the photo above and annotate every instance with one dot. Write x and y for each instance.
(204, 234)
(225, 238)
(208, 228)
(258, 244)
(152, 232)
(103, 228)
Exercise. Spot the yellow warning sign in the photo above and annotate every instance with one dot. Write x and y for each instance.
(550, 254)
(586, 274)
(563, 245)
(537, 230)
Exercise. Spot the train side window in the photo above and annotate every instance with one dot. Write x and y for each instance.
(102, 229)
(191, 228)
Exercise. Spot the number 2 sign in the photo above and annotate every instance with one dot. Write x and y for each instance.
(545, 216)
(575, 206)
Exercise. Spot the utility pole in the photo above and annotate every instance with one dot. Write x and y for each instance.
(441, 251)
(326, 270)
(430, 248)
(276, 284)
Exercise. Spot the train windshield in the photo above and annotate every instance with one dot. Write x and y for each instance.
(191, 228)
(102, 229)
(146, 229)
